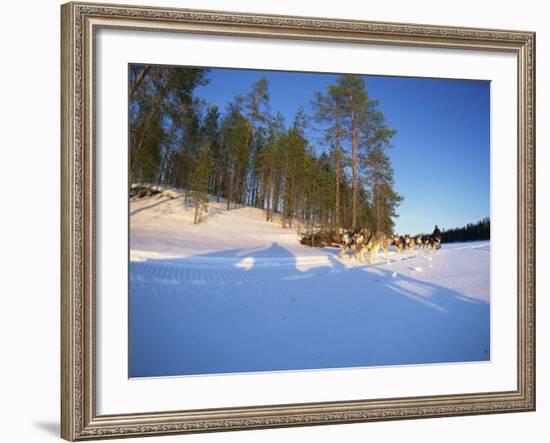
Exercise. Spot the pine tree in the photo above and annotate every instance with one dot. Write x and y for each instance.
(145, 113)
(249, 157)
(255, 106)
(330, 111)
(323, 179)
(355, 100)
(137, 75)
(269, 164)
(210, 137)
(385, 200)
(234, 134)
(164, 118)
(199, 182)
(295, 144)
(375, 137)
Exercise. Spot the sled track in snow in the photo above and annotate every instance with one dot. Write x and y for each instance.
(247, 269)
(226, 271)
(197, 271)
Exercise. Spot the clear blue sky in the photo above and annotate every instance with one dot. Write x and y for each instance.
(441, 153)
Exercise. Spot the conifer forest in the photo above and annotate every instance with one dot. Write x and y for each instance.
(248, 154)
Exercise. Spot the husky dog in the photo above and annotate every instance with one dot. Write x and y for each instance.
(346, 242)
(421, 241)
(409, 243)
(398, 241)
(376, 241)
(360, 238)
(426, 241)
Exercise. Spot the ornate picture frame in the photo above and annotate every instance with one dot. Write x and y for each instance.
(80, 22)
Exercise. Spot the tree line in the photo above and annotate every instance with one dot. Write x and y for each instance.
(472, 231)
(248, 155)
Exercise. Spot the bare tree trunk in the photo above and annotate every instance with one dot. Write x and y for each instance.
(269, 192)
(214, 189)
(354, 169)
(242, 189)
(161, 169)
(337, 159)
(292, 205)
(286, 195)
(135, 84)
(345, 214)
(376, 206)
(261, 193)
(222, 179)
(321, 212)
(254, 200)
(196, 211)
(230, 192)
(276, 193)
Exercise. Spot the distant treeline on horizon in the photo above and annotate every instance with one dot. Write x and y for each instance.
(472, 231)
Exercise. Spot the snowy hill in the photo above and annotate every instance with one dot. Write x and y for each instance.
(239, 294)
(165, 227)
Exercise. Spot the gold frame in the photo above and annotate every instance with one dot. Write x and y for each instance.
(79, 21)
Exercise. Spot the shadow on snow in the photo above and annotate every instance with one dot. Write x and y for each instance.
(213, 211)
(244, 310)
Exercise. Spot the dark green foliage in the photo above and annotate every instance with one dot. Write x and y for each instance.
(234, 152)
(330, 112)
(247, 156)
(359, 137)
(202, 170)
(164, 122)
(199, 182)
(379, 177)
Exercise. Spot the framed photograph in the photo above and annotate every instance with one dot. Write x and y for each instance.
(277, 221)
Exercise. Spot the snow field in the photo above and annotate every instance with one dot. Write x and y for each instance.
(239, 294)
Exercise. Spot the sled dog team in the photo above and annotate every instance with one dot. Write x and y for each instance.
(364, 243)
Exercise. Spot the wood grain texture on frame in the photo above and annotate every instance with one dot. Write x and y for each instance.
(79, 21)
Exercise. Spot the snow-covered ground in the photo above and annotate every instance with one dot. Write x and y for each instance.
(239, 294)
